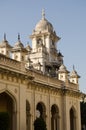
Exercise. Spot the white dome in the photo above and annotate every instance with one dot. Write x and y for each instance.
(43, 24)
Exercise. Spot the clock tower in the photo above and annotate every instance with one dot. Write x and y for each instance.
(44, 44)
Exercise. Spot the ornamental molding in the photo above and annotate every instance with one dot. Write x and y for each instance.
(16, 77)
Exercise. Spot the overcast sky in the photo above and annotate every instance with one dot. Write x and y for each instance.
(68, 18)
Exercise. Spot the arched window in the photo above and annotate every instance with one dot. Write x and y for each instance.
(72, 119)
(41, 108)
(54, 118)
(39, 41)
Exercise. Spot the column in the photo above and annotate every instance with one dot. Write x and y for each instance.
(22, 107)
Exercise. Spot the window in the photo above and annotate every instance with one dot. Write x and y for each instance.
(39, 41)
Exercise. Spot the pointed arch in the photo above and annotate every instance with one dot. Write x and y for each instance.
(28, 116)
(72, 114)
(8, 104)
(55, 117)
(42, 109)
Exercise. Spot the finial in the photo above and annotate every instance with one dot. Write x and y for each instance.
(73, 67)
(43, 14)
(18, 37)
(4, 36)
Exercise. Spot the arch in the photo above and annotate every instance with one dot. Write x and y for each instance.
(42, 109)
(8, 105)
(28, 116)
(54, 117)
(72, 114)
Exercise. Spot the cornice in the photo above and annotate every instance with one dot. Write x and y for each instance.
(13, 76)
(71, 93)
(44, 88)
(53, 90)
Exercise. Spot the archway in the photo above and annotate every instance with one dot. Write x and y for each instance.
(41, 108)
(28, 116)
(8, 105)
(54, 117)
(72, 119)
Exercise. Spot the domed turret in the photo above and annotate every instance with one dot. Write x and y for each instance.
(18, 51)
(63, 73)
(5, 47)
(44, 43)
(18, 44)
(74, 76)
(62, 68)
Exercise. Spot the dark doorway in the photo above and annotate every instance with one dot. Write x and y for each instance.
(7, 106)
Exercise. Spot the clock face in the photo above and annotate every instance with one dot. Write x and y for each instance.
(37, 113)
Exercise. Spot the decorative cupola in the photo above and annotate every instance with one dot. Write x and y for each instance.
(18, 51)
(5, 47)
(74, 76)
(63, 73)
(44, 45)
(44, 34)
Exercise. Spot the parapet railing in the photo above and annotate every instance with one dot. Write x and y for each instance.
(53, 81)
(11, 64)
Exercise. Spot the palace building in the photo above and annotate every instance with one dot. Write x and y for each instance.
(35, 79)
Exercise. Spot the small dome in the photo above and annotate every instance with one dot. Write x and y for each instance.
(43, 24)
(18, 44)
(74, 74)
(62, 68)
(5, 43)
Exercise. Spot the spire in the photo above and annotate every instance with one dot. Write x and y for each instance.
(43, 14)
(74, 72)
(18, 37)
(73, 67)
(4, 36)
